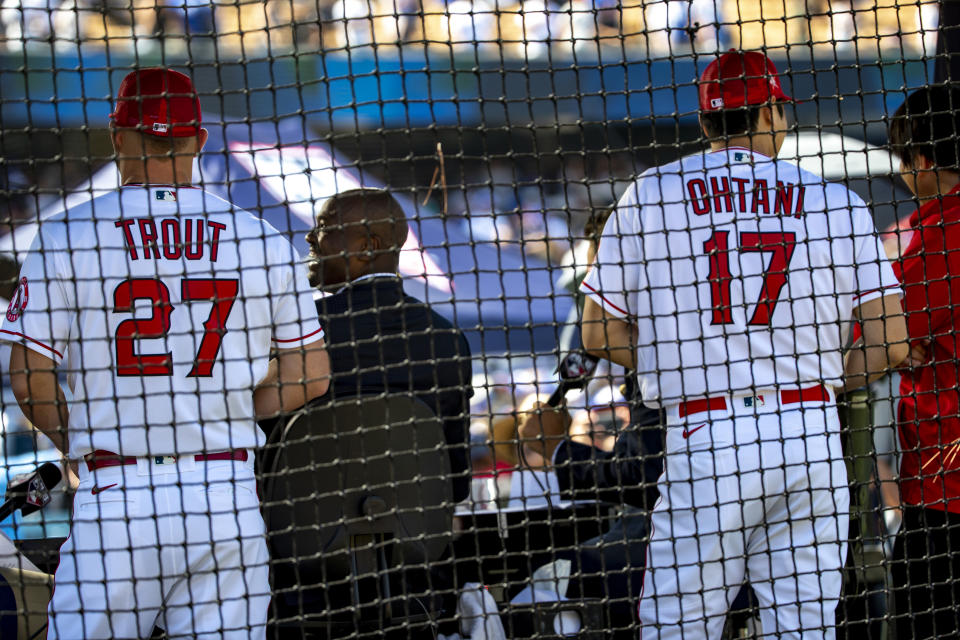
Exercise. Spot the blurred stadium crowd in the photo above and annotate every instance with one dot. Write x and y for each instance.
(485, 28)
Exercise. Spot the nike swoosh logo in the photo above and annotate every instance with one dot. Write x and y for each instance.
(689, 432)
(97, 490)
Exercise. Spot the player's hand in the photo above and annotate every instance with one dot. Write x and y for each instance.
(71, 475)
(916, 358)
(542, 428)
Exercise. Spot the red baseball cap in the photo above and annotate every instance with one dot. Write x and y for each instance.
(158, 101)
(739, 78)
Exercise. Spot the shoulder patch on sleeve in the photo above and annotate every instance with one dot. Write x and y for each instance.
(18, 303)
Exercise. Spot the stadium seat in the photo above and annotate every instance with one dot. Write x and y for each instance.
(356, 498)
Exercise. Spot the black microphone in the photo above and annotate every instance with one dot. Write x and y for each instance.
(30, 491)
(575, 370)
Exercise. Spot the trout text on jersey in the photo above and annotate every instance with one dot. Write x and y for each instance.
(171, 238)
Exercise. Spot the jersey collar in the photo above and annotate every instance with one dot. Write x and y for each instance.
(934, 209)
(739, 149)
(369, 276)
(157, 184)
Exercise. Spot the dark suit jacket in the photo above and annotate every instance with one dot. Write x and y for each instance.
(627, 475)
(381, 339)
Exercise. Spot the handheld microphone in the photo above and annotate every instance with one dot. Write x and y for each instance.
(30, 491)
(575, 369)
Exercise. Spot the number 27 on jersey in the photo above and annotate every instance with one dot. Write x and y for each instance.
(221, 292)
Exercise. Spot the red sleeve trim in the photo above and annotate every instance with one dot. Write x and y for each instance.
(312, 333)
(600, 295)
(866, 293)
(37, 342)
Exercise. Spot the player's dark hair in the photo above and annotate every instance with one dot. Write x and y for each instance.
(9, 276)
(374, 211)
(593, 228)
(162, 146)
(732, 122)
(927, 125)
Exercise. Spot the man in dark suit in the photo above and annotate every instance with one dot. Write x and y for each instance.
(379, 338)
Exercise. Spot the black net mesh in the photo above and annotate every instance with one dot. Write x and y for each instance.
(728, 428)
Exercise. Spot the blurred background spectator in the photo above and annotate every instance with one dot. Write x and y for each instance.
(520, 28)
(543, 210)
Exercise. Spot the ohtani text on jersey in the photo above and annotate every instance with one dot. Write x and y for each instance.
(728, 195)
(171, 238)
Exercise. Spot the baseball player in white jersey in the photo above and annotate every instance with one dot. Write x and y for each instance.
(728, 280)
(162, 304)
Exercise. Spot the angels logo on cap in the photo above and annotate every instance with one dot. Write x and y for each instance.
(740, 78)
(159, 102)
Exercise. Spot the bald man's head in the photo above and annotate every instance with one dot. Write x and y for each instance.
(357, 233)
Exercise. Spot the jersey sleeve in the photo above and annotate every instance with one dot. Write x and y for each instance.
(295, 321)
(613, 280)
(41, 310)
(874, 275)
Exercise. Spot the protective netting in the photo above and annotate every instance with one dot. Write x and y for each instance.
(682, 443)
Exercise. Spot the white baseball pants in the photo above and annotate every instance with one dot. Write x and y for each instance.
(754, 492)
(179, 545)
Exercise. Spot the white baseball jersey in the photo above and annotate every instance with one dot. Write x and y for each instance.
(162, 305)
(740, 272)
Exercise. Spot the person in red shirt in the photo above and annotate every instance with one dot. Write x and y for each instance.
(926, 566)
